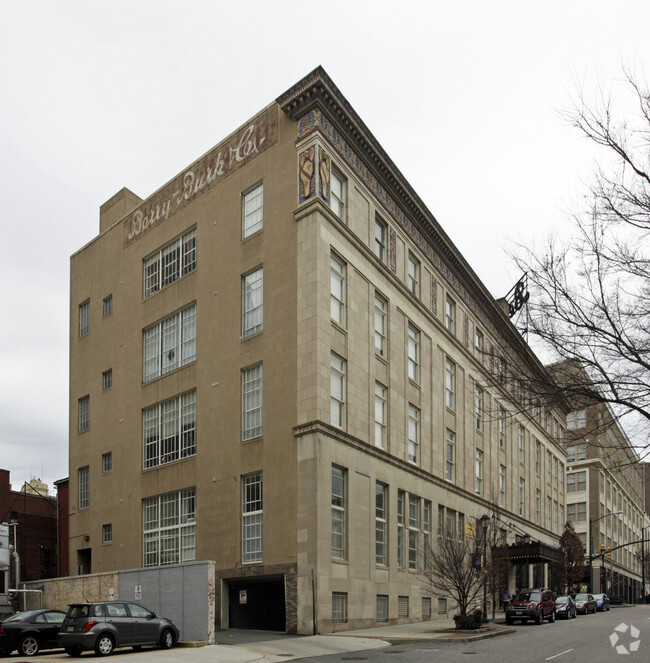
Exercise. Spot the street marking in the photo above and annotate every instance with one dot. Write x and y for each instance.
(550, 658)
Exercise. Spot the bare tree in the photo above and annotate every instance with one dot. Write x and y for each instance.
(572, 561)
(590, 294)
(453, 569)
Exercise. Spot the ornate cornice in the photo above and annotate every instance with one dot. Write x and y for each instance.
(317, 92)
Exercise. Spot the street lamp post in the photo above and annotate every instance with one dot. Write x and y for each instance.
(591, 546)
(485, 519)
(642, 565)
(527, 539)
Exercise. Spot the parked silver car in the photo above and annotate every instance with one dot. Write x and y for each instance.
(106, 625)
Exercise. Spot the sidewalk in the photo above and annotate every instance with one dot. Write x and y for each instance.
(243, 646)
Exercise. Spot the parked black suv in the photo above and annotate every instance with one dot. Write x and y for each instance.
(106, 625)
(535, 604)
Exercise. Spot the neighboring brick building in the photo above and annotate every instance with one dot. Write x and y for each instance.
(32, 517)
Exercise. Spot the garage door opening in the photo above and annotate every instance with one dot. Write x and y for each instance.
(257, 604)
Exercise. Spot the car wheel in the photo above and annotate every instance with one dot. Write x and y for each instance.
(167, 639)
(551, 617)
(539, 619)
(104, 645)
(73, 651)
(28, 646)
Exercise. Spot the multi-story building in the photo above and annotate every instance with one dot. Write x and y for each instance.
(280, 362)
(605, 498)
(29, 518)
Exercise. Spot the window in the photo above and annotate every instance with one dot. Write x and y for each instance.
(337, 290)
(337, 391)
(380, 415)
(339, 477)
(538, 505)
(575, 420)
(402, 606)
(413, 433)
(502, 485)
(381, 236)
(107, 462)
(107, 533)
(84, 487)
(253, 302)
(413, 353)
(251, 380)
(339, 607)
(478, 472)
(170, 344)
(502, 428)
(84, 414)
(442, 606)
(170, 430)
(337, 193)
(522, 496)
(169, 523)
(450, 315)
(413, 275)
(426, 533)
(478, 407)
(170, 263)
(251, 518)
(381, 309)
(107, 379)
(576, 452)
(382, 608)
(549, 466)
(401, 497)
(450, 455)
(84, 318)
(108, 305)
(381, 518)
(252, 211)
(576, 513)
(576, 482)
(538, 457)
(478, 345)
(522, 444)
(502, 371)
(450, 384)
(414, 532)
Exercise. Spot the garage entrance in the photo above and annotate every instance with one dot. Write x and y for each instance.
(257, 604)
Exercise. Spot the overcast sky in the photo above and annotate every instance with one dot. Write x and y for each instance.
(99, 95)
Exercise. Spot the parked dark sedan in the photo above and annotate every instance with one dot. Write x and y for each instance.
(30, 631)
(565, 607)
(602, 602)
(106, 625)
(585, 603)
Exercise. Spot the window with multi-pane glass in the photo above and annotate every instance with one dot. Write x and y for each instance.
(253, 211)
(253, 302)
(252, 518)
(339, 507)
(381, 308)
(381, 523)
(170, 430)
(252, 382)
(170, 344)
(169, 263)
(169, 528)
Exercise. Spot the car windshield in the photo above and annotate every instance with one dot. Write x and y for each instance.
(529, 596)
(562, 599)
(581, 597)
(598, 596)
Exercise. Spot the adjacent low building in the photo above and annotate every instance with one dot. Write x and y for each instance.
(280, 362)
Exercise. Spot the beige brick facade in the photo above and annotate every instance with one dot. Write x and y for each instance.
(295, 571)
